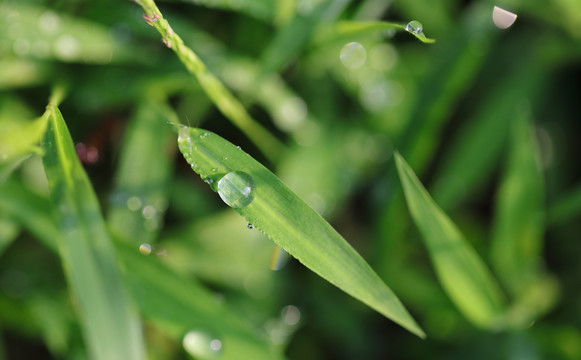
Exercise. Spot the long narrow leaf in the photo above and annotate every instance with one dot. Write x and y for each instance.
(280, 214)
(87, 251)
(518, 227)
(462, 273)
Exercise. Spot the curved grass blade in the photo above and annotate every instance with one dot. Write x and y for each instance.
(110, 325)
(345, 30)
(462, 273)
(288, 221)
(224, 100)
(518, 227)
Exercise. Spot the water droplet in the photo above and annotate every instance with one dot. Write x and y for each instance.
(238, 147)
(225, 158)
(279, 258)
(250, 226)
(237, 189)
(134, 203)
(414, 27)
(202, 345)
(353, 55)
(204, 135)
(290, 315)
(502, 18)
(145, 249)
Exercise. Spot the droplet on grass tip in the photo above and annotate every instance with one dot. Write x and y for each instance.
(145, 249)
(202, 345)
(353, 55)
(415, 27)
(502, 18)
(236, 189)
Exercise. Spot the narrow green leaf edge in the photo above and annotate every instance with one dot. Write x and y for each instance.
(355, 28)
(462, 273)
(87, 251)
(291, 223)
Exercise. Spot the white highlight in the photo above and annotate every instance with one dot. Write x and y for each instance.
(502, 18)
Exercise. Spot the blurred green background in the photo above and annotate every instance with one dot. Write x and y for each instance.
(449, 108)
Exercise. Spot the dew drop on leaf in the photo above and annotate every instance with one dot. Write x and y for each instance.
(237, 189)
(414, 27)
(353, 55)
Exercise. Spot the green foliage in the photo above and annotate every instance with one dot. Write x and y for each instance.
(111, 247)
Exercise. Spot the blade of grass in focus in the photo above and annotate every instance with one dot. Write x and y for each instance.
(460, 270)
(140, 196)
(288, 221)
(224, 100)
(111, 327)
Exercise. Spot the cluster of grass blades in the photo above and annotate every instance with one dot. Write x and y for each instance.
(149, 263)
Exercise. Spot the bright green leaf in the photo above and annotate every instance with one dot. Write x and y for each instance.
(259, 196)
(87, 251)
(462, 273)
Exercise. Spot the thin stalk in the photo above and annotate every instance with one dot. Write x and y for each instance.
(229, 105)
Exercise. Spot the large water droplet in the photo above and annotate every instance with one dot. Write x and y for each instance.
(202, 345)
(353, 55)
(414, 27)
(237, 189)
(502, 18)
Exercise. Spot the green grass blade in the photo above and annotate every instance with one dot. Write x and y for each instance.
(229, 105)
(462, 273)
(518, 227)
(343, 30)
(288, 221)
(565, 208)
(179, 304)
(140, 196)
(110, 325)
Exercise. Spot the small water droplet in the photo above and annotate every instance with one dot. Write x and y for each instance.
(204, 135)
(414, 27)
(353, 55)
(202, 345)
(237, 189)
(225, 158)
(214, 169)
(502, 18)
(238, 147)
(250, 226)
(145, 249)
(209, 180)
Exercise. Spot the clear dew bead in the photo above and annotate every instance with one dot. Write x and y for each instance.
(414, 27)
(237, 189)
(145, 249)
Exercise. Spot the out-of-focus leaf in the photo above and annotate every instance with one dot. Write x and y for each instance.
(260, 9)
(42, 33)
(87, 251)
(518, 226)
(141, 185)
(9, 230)
(16, 73)
(178, 304)
(462, 273)
(288, 221)
(565, 208)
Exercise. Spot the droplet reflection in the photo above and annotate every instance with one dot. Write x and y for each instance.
(279, 258)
